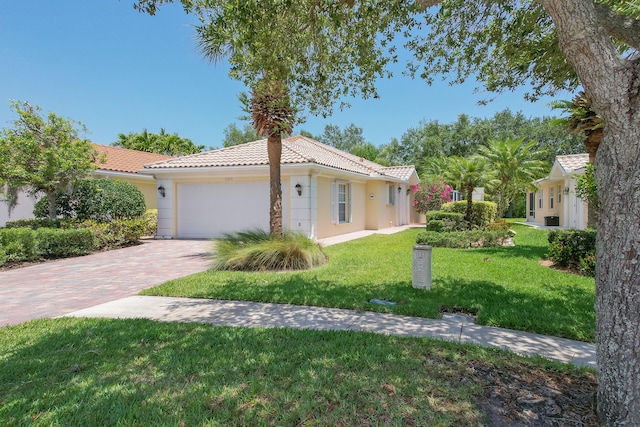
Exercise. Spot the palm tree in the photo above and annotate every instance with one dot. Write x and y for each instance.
(514, 166)
(582, 119)
(467, 173)
(272, 116)
(434, 167)
(271, 113)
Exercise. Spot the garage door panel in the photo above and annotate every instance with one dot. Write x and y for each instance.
(211, 210)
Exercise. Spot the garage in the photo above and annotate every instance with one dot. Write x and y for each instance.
(208, 210)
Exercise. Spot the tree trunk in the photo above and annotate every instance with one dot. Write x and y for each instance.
(274, 150)
(613, 85)
(51, 204)
(469, 215)
(618, 275)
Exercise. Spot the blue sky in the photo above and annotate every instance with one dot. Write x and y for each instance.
(119, 71)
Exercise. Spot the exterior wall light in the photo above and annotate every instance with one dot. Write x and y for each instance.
(399, 190)
(162, 191)
(299, 189)
(566, 190)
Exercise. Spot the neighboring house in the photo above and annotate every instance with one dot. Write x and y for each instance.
(124, 164)
(554, 202)
(119, 163)
(325, 191)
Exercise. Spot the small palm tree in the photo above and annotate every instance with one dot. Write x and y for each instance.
(583, 120)
(467, 173)
(514, 166)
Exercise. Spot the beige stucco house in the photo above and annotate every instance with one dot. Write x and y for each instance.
(124, 164)
(554, 202)
(114, 163)
(325, 191)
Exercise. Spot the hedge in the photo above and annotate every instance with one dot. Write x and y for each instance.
(116, 233)
(18, 244)
(25, 244)
(57, 243)
(445, 221)
(482, 213)
(463, 239)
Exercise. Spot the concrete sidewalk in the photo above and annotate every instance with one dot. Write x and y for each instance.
(251, 314)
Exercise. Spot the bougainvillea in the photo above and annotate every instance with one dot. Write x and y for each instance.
(431, 196)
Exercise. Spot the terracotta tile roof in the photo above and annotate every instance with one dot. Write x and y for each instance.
(402, 172)
(295, 150)
(125, 160)
(573, 162)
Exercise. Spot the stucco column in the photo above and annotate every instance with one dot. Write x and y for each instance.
(165, 209)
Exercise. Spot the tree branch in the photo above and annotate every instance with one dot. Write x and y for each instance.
(428, 3)
(621, 27)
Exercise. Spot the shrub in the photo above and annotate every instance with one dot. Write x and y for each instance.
(568, 247)
(435, 225)
(482, 213)
(98, 199)
(431, 195)
(3, 256)
(34, 223)
(257, 250)
(128, 231)
(116, 233)
(18, 244)
(498, 225)
(102, 238)
(588, 264)
(150, 218)
(451, 221)
(56, 243)
(463, 239)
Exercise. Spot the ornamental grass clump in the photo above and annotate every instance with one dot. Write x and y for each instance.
(257, 250)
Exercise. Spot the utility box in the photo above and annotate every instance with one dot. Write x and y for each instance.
(421, 278)
(551, 221)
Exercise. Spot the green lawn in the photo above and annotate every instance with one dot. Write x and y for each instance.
(504, 286)
(99, 372)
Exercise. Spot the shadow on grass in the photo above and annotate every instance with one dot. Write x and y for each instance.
(130, 372)
(564, 312)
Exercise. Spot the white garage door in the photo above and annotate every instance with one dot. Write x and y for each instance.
(211, 210)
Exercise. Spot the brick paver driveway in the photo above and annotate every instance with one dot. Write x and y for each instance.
(56, 288)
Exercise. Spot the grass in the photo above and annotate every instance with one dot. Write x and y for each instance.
(94, 372)
(258, 250)
(503, 286)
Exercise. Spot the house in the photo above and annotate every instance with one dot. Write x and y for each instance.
(119, 163)
(124, 164)
(325, 191)
(554, 202)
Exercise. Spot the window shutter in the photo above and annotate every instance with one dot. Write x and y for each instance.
(349, 204)
(334, 202)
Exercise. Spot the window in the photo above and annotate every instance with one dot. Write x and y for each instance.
(559, 193)
(391, 194)
(551, 197)
(540, 198)
(340, 202)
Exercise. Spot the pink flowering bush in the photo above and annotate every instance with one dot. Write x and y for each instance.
(431, 196)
